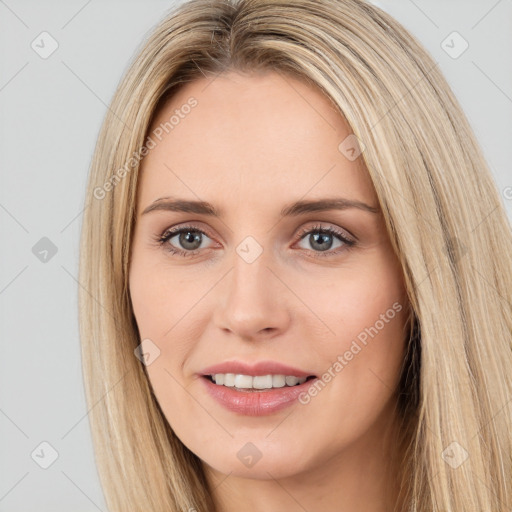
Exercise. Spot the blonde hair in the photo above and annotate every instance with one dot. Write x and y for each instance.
(443, 213)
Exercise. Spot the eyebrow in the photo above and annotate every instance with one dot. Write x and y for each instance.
(291, 210)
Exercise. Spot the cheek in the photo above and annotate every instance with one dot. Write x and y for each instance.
(169, 311)
(162, 298)
(164, 305)
(373, 310)
(351, 300)
(366, 311)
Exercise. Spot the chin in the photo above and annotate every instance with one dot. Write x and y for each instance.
(259, 459)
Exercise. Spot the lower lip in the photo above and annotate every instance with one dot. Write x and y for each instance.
(256, 403)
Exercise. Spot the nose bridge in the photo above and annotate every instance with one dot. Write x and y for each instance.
(251, 299)
(250, 280)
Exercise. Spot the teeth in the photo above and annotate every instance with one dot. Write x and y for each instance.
(278, 381)
(291, 381)
(243, 382)
(259, 382)
(262, 382)
(229, 379)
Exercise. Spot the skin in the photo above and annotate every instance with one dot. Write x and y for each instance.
(251, 145)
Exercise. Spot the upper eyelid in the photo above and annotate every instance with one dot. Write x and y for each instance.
(330, 227)
(176, 229)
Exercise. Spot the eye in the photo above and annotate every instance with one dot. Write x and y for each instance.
(189, 238)
(321, 239)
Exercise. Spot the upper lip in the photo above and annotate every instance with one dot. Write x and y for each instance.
(255, 369)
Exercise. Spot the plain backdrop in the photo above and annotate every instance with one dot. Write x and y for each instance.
(51, 108)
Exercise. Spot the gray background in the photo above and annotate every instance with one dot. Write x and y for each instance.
(50, 113)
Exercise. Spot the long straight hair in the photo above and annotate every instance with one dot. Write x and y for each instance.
(443, 213)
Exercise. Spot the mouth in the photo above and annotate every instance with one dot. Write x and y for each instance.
(255, 388)
(256, 383)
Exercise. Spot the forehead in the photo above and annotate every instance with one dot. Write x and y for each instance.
(262, 137)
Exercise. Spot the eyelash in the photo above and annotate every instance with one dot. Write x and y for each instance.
(347, 243)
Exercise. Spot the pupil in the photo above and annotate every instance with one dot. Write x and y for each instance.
(320, 239)
(189, 238)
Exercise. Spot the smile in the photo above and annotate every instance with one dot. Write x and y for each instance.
(256, 383)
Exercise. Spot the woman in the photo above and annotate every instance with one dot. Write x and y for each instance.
(338, 334)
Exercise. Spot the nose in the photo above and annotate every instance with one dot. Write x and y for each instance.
(251, 301)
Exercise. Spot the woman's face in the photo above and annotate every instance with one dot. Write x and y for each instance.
(254, 291)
